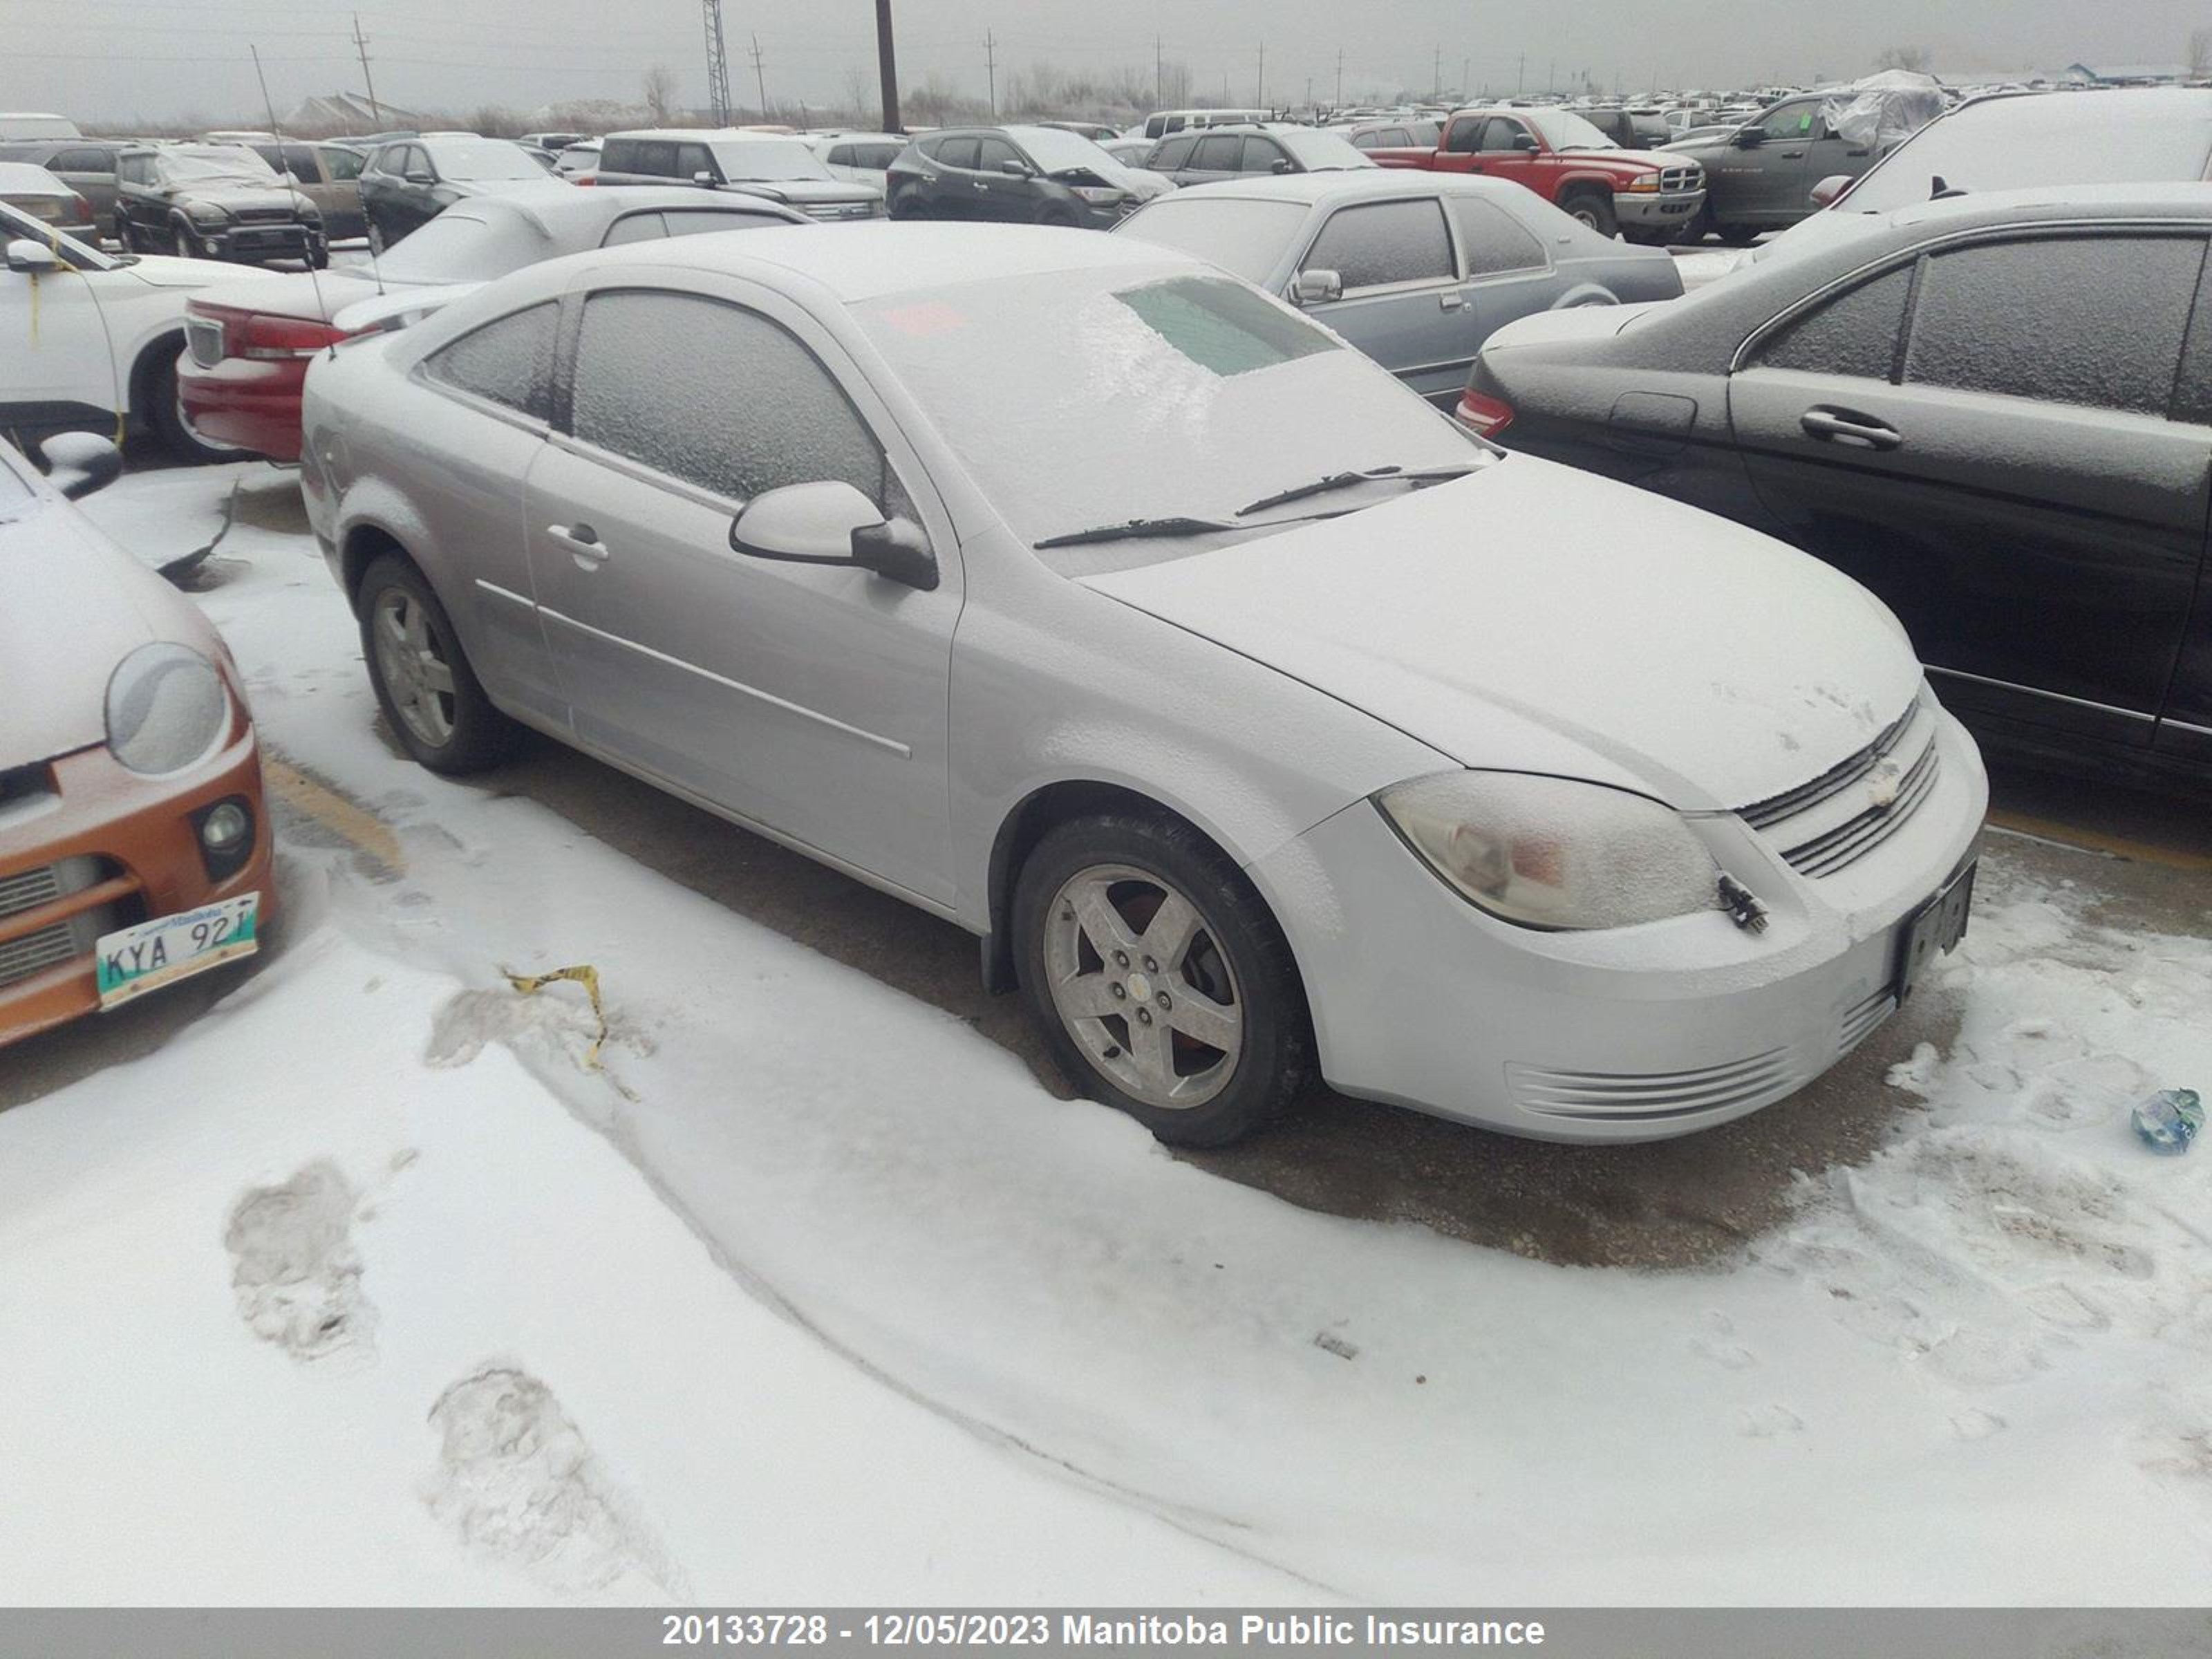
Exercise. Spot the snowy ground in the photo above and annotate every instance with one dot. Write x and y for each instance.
(370, 1286)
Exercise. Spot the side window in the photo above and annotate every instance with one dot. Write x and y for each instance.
(509, 361)
(300, 161)
(1260, 155)
(1384, 242)
(1172, 153)
(1855, 333)
(992, 153)
(633, 228)
(658, 157)
(1790, 121)
(877, 155)
(341, 164)
(1217, 153)
(715, 395)
(1368, 141)
(1501, 133)
(83, 160)
(1493, 239)
(840, 156)
(2095, 320)
(618, 156)
(419, 160)
(692, 160)
(1398, 138)
(1466, 136)
(958, 153)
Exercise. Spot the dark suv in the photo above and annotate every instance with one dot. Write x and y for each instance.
(214, 201)
(410, 181)
(1017, 175)
(1760, 176)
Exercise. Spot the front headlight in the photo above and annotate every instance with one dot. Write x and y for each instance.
(166, 708)
(1644, 184)
(1553, 853)
(206, 213)
(1098, 196)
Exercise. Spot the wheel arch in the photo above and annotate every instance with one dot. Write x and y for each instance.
(164, 347)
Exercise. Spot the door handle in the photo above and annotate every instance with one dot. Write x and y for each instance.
(978, 185)
(1843, 426)
(581, 540)
(1450, 301)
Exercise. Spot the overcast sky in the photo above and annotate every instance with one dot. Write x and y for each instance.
(110, 59)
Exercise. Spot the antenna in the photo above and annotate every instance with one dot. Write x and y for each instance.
(314, 276)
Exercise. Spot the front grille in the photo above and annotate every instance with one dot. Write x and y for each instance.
(36, 952)
(1673, 178)
(1853, 839)
(204, 338)
(27, 890)
(265, 216)
(1631, 1098)
(1765, 814)
(841, 210)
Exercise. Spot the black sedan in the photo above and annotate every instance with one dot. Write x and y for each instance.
(410, 181)
(1993, 410)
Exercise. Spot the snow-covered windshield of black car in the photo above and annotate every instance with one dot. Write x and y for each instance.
(485, 161)
(1565, 130)
(213, 164)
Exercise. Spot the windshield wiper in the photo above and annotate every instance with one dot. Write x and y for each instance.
(1130, 529)
(1345, 480)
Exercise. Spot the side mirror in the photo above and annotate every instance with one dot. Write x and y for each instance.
(78, 462)
(1749, 137)
(32, 258)
(832, 523)
(1825, 192)
(1281, 164)
(1526, 142)
(419, 177)
(1014, 169)
(1318, 288)
(703, 179)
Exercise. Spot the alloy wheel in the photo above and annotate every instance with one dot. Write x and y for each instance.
(412, 661)
(1142, 985)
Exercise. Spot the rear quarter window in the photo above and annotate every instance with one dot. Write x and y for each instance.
(508, 362)
(1855, 334)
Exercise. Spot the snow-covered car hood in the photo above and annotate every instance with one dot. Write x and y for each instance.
(72, 605)
(1713, 664)
(799, 191)
(245, 196)
(167, 271)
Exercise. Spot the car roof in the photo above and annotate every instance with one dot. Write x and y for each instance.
(2184, 201)
(559, 209)
(712, 134)
(1349, 184)
(20, 177)
(858, 263)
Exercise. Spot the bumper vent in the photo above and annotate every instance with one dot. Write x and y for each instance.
(36, 952)
(27, 890)
(1645, 1098)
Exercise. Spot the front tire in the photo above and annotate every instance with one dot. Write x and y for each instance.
(1159, 979)
(1594, 210)
(911, 207)
(430, 697)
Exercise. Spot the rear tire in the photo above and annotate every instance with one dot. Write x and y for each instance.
(1192, 1019)
(1058, 217)
(165, 413)
(431, 698)
(1740, 235)
(1595, 210)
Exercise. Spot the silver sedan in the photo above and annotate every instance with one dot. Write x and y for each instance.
(1257, 720)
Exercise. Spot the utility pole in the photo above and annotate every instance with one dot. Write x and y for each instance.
(991, 70)
(1260, 80)
(1309, 102)
(1520, 76)
(718, 65)
(760, 78)
(1160, 76)
(1339, 104)
(1436, 67)
(1463, 64)
(1552, 76)
(887, 66)
(360, 45)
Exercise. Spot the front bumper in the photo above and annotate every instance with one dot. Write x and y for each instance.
(1631, 1034)
(133, 854)
(1660, 210)
(257, 244)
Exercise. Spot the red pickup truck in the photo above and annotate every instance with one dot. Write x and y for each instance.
(1647, 195)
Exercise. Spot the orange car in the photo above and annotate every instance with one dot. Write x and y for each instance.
(134, 847)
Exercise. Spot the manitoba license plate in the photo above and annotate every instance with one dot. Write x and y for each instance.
(1934, 930)
(160, 952)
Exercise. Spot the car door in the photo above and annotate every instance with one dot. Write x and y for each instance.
(2005, 465)
(56, 367)
(1403, 302)
(955, 192)
(1262, 157)
(810, 700)
(342, 210)
(1506, 149)
(482, 421)
(1216, 155)
(1829, 153)
(1508, 272)
(1170, 156)
(1767, 182)
(90, 171)
(1010, 197)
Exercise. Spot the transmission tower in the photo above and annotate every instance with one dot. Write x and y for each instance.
(718, 65)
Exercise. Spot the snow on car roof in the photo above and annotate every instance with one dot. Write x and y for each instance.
(2191, 199)
(554, 205)
(862, 262)
(1364, 183)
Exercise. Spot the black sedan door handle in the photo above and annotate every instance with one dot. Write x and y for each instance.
(1843, 426)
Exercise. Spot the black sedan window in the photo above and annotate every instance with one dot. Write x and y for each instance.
(1384, 242)
(1855, 334)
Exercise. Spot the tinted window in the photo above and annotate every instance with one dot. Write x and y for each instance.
(1466, 136)
(1219, 152)
(2083, 319)
(298, 160)
(875, 155)
(714, 395)
(958, 153)
(1172, 153)
(619, 156)
(692, 160)
(1854, 334)
(1383, 242)
(841, 156)
(1493, 239)
(509, 361)
(341, 164)
(82, 160)
(992, 153)
(657, 157)
(1260, 155)
(1500, 133)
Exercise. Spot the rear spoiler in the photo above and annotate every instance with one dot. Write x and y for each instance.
(391, 312)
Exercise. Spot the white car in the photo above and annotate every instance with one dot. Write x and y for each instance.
(860, 158)
(89, 341)
(1257, 720)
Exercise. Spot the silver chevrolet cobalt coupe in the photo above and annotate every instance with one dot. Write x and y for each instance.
(1257, 718)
